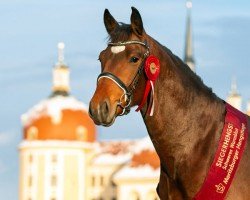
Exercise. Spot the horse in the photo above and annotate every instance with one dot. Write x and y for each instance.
(187, 120)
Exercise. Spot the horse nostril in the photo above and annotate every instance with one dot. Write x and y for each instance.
(105, 108)
(90, 111)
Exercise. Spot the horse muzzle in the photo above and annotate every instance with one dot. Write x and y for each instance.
(102, 113)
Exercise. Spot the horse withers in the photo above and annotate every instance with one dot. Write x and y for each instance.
(184, 118)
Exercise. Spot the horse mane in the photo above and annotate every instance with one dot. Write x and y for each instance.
(123, 32)
(196, 79)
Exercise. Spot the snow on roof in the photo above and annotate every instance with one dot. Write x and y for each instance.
(107, 159)
(119, 152)
(52, 107)
(122, 152)
(116, 146)
(141, 172)
(114, 152)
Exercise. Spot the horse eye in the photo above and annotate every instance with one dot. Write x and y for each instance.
(134, 59)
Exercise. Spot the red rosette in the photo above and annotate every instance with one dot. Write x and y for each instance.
(152, 67)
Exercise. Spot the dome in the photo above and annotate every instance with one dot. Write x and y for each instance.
(58, 118)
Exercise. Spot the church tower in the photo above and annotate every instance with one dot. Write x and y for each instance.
(234, 98)
(60, 74)
(58, 142)
(188, 56)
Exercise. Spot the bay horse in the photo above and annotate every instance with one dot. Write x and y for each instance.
(188, 117)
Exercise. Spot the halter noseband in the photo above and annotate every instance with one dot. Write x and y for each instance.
(127, 90)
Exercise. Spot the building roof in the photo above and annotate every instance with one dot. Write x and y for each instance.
(144, 162)
(140, 172)
(59, 118)
(113, 152)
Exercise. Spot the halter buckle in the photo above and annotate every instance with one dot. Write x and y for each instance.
(127, 99)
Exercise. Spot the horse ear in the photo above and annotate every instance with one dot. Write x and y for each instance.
(109, 21)
(136, 22)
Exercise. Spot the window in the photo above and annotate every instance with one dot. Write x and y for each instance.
(53, 180)
(101, 181)
(93, 181)
(32, 133)
(54, 158)
(30, 158)
(81, 133)
(30, 181)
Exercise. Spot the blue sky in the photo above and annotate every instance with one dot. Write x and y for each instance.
(30, 31)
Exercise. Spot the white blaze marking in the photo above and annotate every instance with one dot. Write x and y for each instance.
(117, 49)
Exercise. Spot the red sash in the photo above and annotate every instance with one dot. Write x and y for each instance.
(227, 157)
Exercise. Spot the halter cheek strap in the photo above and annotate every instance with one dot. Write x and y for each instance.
(126, 94)
(115, 79)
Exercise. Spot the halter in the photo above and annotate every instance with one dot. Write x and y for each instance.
(127, 90)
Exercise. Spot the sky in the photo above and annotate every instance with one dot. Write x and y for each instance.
(30, 31)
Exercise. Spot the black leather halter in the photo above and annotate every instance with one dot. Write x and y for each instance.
(127, 90)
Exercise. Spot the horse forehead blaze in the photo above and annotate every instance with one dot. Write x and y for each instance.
(117, 49)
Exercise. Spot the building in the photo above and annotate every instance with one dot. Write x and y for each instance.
(125, 170)
(233, 98)
(58, 139)
(61, 159)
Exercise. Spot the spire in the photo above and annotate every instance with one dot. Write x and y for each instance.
(234, 91)
(234, 98)
(60, 47)
(188, 57)
(60, 74)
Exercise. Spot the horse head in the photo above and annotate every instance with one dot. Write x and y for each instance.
(121, 70)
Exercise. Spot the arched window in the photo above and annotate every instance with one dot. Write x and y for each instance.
(32, 133)
(81, 133)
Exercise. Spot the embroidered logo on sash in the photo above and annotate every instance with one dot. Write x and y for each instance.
(220, 188)
(227, 157)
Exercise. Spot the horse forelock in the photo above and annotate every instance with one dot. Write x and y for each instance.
(121, 33)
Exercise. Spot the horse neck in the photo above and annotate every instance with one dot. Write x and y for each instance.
(188, 118)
